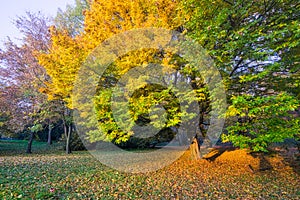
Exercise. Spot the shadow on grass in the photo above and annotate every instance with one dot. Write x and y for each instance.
(291, 157)
(264, 164)
(218, 151)
(289, 150)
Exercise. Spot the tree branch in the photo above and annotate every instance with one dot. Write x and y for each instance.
(230, 3)
(236, 67)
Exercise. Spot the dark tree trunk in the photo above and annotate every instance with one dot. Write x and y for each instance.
(49, 134)
(29, 145)
(68, 145)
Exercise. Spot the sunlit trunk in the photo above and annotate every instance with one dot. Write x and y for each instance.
(194, 148)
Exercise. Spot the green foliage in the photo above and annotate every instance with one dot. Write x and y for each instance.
(255, 45)
(4, 130)
(72, 18)
(260, 121)
(150, 105)
(240, 34)
(36, 128)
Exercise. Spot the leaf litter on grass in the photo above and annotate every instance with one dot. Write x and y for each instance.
(79, 175)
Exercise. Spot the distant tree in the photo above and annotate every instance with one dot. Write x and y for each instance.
(67, 24)
(21, 74)
(27, 83)
(5, 112)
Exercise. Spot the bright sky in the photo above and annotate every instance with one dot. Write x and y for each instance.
(12, 8)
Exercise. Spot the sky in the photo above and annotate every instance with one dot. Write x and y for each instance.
(10, 9)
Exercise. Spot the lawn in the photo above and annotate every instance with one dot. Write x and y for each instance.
(234, 174)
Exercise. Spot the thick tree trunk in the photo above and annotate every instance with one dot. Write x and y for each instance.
(29, 145)
(182, 139)
(194, 148)
(49, 134)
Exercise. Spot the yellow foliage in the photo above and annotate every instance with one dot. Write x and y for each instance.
(107, 18)
(62, 64)
(102, 21)
(232, 111)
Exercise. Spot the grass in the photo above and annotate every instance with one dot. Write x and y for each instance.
(18, 147)
(50, 174)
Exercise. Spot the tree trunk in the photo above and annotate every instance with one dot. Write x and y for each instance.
(29, 145)
(67, 131)
(49, 134)
(194, 148)
(183, 138)
(68, 146)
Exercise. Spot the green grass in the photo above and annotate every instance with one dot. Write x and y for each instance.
(50, 174)
(17, 147)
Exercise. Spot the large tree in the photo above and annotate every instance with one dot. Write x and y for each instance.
(104, 20)
(255, 45)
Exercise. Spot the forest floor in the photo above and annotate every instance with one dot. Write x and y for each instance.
(227, 173)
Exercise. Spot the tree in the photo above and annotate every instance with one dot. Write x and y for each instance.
(255, 47)
(63, 61)
(102, 21)
(48, 115)
(68, 53)
(21, 74)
